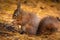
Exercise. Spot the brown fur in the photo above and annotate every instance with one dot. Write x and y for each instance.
(48, 25)
(29, 22)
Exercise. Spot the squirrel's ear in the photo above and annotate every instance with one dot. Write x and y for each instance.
(17, 11)
(18, 4)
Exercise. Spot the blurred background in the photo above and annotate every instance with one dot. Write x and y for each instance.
(42, 8)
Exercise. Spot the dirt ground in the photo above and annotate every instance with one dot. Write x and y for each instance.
(41, 8)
